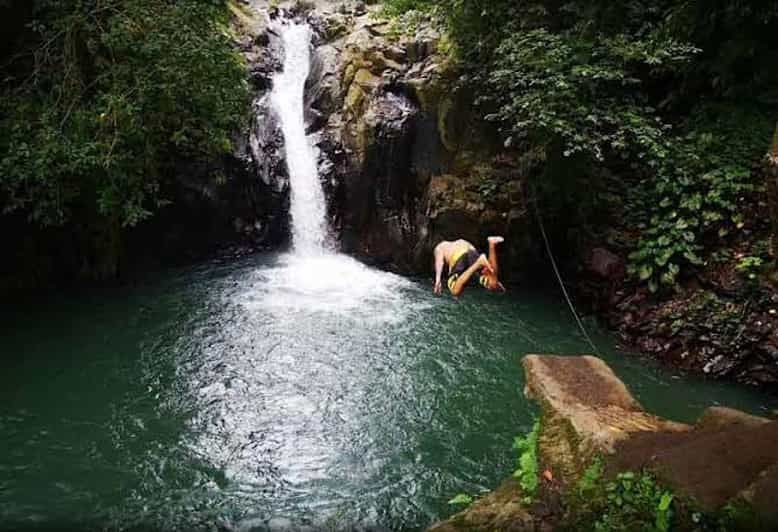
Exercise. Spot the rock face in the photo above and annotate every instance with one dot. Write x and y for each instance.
(404, 161)
(242, 200)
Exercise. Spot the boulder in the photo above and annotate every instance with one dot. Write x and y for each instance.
(585, 411)
(761, 494)
(323, 92)
(713, 465)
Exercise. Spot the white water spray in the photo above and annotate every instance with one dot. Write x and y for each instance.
(307, 205)
(313, 277)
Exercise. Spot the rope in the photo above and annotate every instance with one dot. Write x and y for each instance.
(561, 282)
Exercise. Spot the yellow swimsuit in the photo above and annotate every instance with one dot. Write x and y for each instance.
(455, 258)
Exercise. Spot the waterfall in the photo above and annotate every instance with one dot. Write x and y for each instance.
(307, 204)
(313, 276)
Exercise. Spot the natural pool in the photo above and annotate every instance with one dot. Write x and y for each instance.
(276, 392)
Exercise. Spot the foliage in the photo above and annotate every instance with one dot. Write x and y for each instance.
(696, 196)
(488, 187)
(461, 499)
(407, 23)
(400, 7)
(633, 501)
(527, 472)
(592, 475)
(674, 97)
(750, 267)
(579, 95)
(628, 502)
(101, 98)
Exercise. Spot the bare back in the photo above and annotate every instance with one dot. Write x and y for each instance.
(451, 249)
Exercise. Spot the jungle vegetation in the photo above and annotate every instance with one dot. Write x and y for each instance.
(663, 108)
(100, 98)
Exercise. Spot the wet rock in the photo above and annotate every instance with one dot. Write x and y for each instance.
(263, 217)
(422, 45)
(323, 92)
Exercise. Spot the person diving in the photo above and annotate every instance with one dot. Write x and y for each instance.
(462, 261)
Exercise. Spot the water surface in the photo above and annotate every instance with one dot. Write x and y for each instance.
(276, 392)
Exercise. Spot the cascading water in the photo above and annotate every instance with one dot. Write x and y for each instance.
(309, 226)
(313, 276)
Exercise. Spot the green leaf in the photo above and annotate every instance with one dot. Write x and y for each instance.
(692, 257)
(665, 502)
(461, 499)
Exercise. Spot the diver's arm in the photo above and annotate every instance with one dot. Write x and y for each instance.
(439, 260)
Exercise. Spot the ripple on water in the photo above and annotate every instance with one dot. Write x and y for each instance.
(276, 391)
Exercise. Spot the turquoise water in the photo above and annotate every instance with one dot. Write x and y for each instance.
(251, 395)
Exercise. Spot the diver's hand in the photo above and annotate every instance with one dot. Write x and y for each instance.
(438, 287)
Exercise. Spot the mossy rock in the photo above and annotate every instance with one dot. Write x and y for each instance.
(502, 510)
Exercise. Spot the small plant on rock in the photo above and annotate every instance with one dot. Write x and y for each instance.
(629, 502)
(750, 267)
(527, 472)
(461, 499)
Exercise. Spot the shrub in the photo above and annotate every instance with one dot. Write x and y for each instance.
(527, 471)
(675, 98)
(696, 197)
(628, 502)
(105, 95)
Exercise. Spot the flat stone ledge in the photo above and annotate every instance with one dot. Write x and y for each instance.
(585, 403)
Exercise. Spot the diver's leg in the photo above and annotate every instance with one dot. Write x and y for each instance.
(463, 279)
(493, 241)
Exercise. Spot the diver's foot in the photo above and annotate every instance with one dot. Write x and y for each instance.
(496, 240)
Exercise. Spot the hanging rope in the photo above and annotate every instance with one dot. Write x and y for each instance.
(559, 278)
